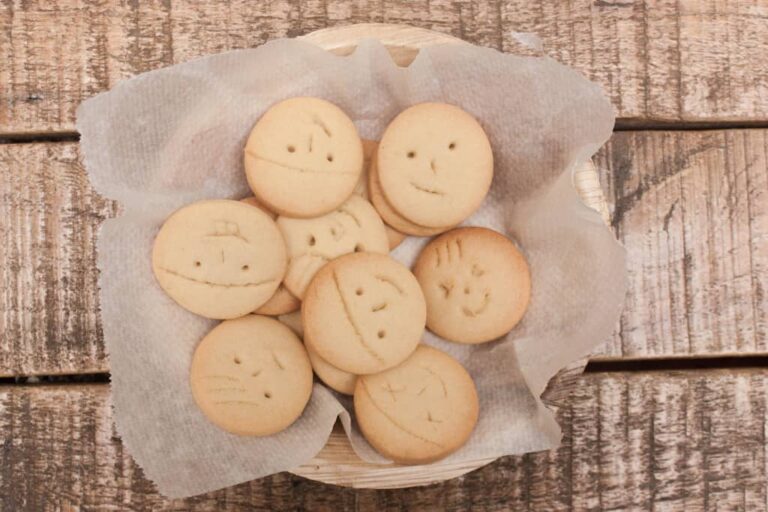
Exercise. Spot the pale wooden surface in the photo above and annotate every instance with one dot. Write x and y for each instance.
(691, 208)
(685, 61)
(683, 441)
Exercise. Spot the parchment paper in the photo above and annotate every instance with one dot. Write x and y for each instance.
(174, 136)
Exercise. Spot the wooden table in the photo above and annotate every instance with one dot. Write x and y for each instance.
(672, 410)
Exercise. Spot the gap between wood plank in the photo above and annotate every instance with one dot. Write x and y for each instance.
(622, 125)
(596, 366)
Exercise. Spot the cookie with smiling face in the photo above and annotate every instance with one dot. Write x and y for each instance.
(219, 259)
(435, 164)
(303, 158)
(419, 411)
(251, 376)
(476, 282)
(353, 227)
(363, 313)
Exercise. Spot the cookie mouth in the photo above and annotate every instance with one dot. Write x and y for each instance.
(301, 170)
(474, 312)
(428, 190)
(218, 285)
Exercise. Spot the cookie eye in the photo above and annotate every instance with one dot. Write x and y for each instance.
(411, 154)
(197, 263)
(329, 157)
(267, 395)
(466, 290)
(381, 334)
(359, 248)
(291, 148)
(452, 146)
(359, 292)
(237, 360)
(312, 240)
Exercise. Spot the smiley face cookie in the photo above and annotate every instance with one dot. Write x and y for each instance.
(219, 259)
(419, 411)
(354, 226)
(397, 222)
(363, 313)
(435, 164)
(476, 282)
(303, 158)
(251, 376)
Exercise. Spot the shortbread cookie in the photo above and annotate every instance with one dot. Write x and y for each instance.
(338, 380)
(419, 411)
(363, 313)
(389, 215)
(281, 303)
(219, 259)
(476, 282)
(435, 164)
(251, 376)
(254, 201)
(353, 227)
(303, 157)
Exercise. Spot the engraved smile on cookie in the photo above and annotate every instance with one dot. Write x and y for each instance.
(302, 170)
(223, 285)
(429, 190)
(474, 312)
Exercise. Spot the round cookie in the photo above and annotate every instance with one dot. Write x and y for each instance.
(363, 313)
(251, 376)
(354, 226)
(281, 303)
(254, 201)
(388, 214)
(219, 259)
(338, 380)
(303, 158)
(476, 282)
(435, 164)
(419, 411)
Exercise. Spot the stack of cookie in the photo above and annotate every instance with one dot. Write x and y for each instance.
(327, 209)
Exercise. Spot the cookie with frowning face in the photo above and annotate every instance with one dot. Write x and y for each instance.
(303, 158)
(435, 164)
(219, 259)
(251, 376)
(476, 282)
(353, 227)
(419, 411)
(363, 313)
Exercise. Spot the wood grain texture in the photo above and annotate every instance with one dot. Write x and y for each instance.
(656, 61)
(680, 442)
(692, 211)
(49, 215)
(690, 207)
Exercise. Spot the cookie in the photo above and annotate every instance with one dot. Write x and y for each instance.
(303, 158)
(435, 164)
(254, 201)
(476, 282)
(338, 380)
(281, 303)
(219, 259)
(363, 313)
(389, 215)
(419, 411)
(354, 226)
(251, 376)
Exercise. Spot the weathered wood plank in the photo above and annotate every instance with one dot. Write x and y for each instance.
(656, 61)
(674, 441)
(49, 215)
(692, 210)
(690, 207)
